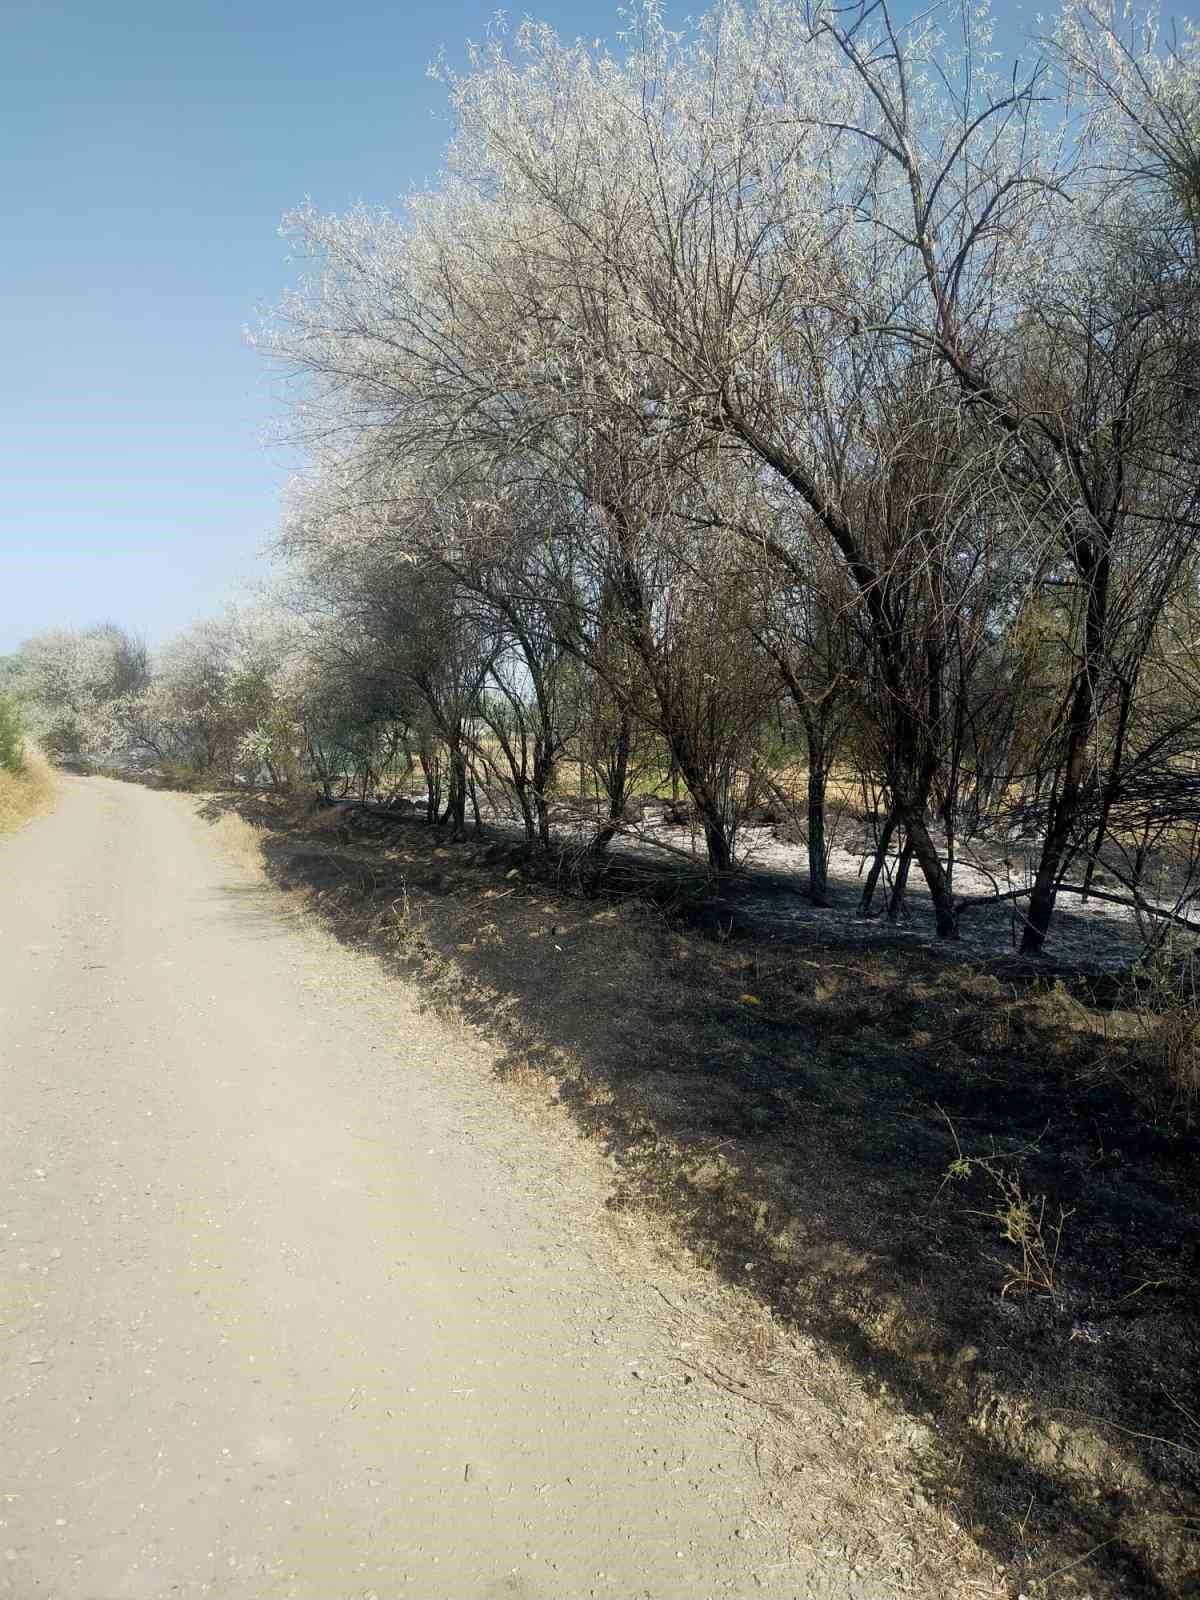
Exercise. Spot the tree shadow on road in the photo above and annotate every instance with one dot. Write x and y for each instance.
(833, 1124)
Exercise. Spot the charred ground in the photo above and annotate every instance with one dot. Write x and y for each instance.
(959, 1174)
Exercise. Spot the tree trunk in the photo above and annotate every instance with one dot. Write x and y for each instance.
(543, 777)
(1143, 853)
(458, 792)
(1110, 788)
(818, 865)
(543, 820)
(818, 861)
(433, 784)
(716, 839)
(921, 842)
(1045, 883)
(521, 790)
(617, 779)
(717, 842)
(895, 908)
(881, 852)
(456, 795)
(1065, 809)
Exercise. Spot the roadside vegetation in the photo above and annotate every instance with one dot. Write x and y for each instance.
(784, 431)
(26, 782)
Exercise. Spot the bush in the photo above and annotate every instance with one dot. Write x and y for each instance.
(1166, 1004)
(186, 775)
(12, 744)
(25, 793)
(1153, 1048)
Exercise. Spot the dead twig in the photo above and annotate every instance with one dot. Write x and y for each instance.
(735, 1387)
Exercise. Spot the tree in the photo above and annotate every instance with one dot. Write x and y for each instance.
(70, 679)
(855, 346)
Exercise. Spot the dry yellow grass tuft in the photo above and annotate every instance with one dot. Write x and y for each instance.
(240, 839)
(26, 794)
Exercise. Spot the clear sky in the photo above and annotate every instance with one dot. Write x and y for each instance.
(148, 149)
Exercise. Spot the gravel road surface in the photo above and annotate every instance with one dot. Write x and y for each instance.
(288, 1307)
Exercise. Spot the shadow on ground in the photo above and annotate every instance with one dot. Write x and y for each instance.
(943, 1169)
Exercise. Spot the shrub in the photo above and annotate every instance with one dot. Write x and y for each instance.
(12, 744)
(1166, 1005)
(25, 793)
(1152, 1039)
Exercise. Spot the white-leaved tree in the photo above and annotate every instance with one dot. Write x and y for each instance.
(72, 679)
(801, 312)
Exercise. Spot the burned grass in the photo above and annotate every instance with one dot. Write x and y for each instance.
(949, 1175)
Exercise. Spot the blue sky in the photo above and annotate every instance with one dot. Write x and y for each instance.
(147, 152)
(148, 149)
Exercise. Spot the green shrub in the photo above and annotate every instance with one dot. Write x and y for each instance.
(12, 744)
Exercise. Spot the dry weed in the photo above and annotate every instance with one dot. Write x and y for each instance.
(1174, 1048)
(1168, 1019)
(26, 794)
(1021, 1218)
(239, 839)
(525, 1079)
(1152, 1046)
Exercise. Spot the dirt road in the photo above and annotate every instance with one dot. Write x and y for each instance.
(287, 1305)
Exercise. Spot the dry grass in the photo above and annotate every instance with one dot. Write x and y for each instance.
(1021, 1219)
(1173, 1055)
(1156, 1057)
(240, 840)
(26, 794)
